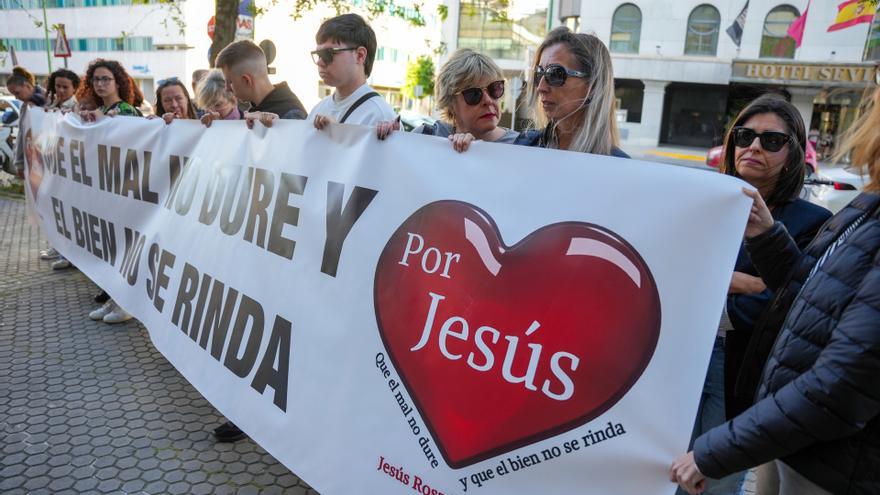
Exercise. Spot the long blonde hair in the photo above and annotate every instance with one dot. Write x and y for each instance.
(863, 140)
(598, 132)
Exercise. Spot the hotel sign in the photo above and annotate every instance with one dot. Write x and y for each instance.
(804, 74)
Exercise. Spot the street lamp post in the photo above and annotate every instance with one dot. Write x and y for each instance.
(46, 32)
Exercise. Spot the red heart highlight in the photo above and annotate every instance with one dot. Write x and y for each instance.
(500, 347)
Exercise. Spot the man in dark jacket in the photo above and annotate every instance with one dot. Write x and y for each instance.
(818, 404)
(247, 77)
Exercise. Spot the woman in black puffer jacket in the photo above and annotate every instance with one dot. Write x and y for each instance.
(815, 419)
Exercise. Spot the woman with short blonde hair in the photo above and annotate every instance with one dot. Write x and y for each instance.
(213, 97)
(467, 89)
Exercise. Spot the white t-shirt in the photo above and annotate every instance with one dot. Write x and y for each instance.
(369, 112)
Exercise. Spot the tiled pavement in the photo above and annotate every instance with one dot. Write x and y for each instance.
(90, 408)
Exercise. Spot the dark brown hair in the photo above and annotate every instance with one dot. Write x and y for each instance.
(123, 82)
(160, 110)
(791, 178)
(350, 29)
(21, 76)
(64, 74)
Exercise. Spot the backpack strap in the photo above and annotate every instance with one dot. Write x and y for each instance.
(356, 104)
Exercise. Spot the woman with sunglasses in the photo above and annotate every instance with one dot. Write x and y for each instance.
(468, 88)
(574, 84)
(173, 101)
(765, 147)
(108, 84)
(816, 418)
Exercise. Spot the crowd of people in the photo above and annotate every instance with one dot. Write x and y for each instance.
(791, 386)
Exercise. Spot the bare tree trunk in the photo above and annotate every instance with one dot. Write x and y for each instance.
(225, 17)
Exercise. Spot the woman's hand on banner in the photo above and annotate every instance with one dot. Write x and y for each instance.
(89, 115)
(685, 472)
(265, 118)
(209, 117)
(760, 219)
(168, 117)
(461, 142)
(386, 127)
(743, 283)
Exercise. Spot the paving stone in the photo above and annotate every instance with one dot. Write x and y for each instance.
(86, 408)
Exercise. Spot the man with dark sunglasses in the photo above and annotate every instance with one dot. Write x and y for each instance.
(247, 76)
(346, 48)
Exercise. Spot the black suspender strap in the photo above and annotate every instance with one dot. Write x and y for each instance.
(356, 104)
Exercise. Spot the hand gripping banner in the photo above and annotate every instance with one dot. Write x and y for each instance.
(394, 317)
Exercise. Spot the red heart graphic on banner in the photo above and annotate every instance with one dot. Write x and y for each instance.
(500, 347)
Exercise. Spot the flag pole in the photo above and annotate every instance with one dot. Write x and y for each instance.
(870, 32)
(46, 32)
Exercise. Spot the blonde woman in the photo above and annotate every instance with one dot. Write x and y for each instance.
(815, 425)
(213, 97)
(571, 95)
(468, 88)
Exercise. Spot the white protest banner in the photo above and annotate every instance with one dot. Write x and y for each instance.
(394, 317)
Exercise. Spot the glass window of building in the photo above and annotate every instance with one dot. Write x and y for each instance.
(775, 41)
(702, 31)
(626, 29)
(629, 95)
(502, 29)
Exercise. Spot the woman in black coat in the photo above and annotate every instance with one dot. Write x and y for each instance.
(815, 419)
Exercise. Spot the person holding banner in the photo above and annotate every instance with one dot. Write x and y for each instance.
(816, 421)
(345, 51)
(23, 85)
(574, 84)
(469, 86)
(109, 85)
(216, 101)
(173, 101)
(247, 76)
(63, 84)
(765, 147)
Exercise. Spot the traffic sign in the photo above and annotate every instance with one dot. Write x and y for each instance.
(62, 47)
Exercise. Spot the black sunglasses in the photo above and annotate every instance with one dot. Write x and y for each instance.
(473, 96)
(555, 74)
(326, 54)
(743, 137)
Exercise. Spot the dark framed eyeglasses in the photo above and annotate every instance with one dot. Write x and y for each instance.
(556, 75)
(102, 80)
(165, 82)
(743, 137)
(326, 54)
(473, 96)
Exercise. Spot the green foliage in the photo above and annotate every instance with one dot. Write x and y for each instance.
(419, 73)
(375, 8)
(443, 12)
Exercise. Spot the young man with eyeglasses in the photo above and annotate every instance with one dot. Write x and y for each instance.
(346, 48)
(247, 76)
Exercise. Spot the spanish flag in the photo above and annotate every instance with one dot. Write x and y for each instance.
(852, 12)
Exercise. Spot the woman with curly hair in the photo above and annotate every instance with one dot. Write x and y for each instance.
(62, 87)
(110, 86)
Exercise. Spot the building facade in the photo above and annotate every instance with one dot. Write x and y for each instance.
(154, 41)
(680, 77)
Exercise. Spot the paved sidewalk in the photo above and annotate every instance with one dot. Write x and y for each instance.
(87, 407)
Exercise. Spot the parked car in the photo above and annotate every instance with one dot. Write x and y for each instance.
(410, 120)
(10, 113)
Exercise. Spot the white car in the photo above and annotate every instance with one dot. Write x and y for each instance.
(834, 187)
